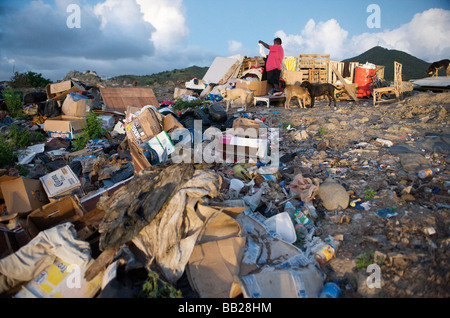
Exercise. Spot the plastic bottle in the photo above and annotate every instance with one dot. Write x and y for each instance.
(301, 218)
(311, 209)
(290, 209)
(427, 173)
(330, 290)
(325, 250)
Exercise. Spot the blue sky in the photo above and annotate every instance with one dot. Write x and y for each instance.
(143, 37)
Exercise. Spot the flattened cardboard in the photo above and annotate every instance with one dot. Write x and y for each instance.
(213, 265)
(216, 258)
(119, 98)
(23, 195)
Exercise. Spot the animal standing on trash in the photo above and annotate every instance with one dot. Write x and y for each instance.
(245, 96)
(436, 66)
(273, 64)
(316, 90)
(301, 93)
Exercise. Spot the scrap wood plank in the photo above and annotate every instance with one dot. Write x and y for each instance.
(100, 264)
(347, 87)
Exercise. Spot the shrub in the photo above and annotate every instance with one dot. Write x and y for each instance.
(22, 137)
(29, 79)
(8, 154)
(93, 130)
(13, 102)
(154, 287)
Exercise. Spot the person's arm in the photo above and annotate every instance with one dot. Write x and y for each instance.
(264, 44)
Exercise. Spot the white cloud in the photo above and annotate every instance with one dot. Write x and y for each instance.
(168, 17)
(116, 37)
(234, 46)
(426, 36)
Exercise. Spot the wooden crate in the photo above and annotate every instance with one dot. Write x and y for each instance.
(314, 67)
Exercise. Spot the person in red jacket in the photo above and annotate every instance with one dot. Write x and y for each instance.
(274, 62)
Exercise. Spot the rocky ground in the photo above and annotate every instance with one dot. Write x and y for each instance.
(375, 153)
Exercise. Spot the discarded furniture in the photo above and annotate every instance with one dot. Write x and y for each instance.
(268, 99)
(397, 89)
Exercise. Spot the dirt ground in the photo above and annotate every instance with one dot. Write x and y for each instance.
(375, 153)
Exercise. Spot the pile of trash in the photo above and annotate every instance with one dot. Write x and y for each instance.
(108, 216)
(199, 203)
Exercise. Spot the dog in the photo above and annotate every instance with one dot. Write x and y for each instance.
(316, 90)
(245, 96)
(436, 66)
(301, 93)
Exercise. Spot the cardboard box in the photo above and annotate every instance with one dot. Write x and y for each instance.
(170, 123)
(260, 88)
(67, 127)
(144, 127)
(23, 195)
(178, 92)
(79, 108)
(293, 77)
(60, 183)
(57, 91)
(246, 127)
(66, 209)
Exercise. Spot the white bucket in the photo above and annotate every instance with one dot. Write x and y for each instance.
(236, 186)
(282, 224)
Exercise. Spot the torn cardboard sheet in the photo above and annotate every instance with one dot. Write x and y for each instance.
(216, 257)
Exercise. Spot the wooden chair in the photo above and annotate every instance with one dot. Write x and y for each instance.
(397, 89)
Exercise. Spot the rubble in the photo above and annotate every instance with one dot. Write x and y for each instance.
(128, 206)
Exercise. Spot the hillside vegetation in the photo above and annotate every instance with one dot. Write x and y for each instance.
(413, 68)
(175, 75)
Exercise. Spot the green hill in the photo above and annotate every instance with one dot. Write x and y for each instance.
(176, 75)
(413, 68)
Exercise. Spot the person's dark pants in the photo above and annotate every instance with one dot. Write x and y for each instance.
(273, 77)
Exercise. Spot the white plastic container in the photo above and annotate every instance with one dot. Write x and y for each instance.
(281, 223)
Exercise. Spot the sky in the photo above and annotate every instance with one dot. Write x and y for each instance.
(143, 37)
